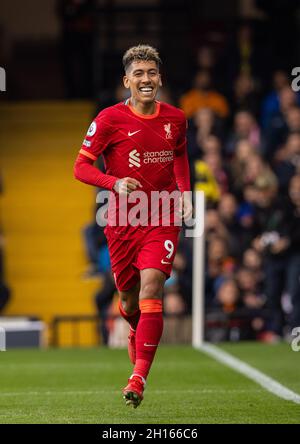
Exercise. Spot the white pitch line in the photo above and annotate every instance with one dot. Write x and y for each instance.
(255, 375)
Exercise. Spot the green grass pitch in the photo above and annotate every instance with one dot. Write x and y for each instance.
(185, 386)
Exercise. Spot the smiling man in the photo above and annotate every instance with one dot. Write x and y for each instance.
(143, 143)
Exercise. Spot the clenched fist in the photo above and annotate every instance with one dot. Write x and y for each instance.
(126, 185)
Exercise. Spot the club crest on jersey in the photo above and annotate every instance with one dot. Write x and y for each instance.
(168, 131)
(134, 159)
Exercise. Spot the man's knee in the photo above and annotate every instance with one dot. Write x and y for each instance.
(129, 306)
(151, 290)
(152, 286)
(130, 300)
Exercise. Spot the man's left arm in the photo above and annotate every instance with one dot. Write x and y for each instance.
(182, 170)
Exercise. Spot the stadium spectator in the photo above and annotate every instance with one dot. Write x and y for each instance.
(247, 281)
(288, 161)
(245, 128)
(246, 218)
(178, 291)
(293, 265)
(271, 103)
(218, 256)
(203, 125)
(257, 169)
(214, 226)
(173, 299)
(244, 95)
(219, 265)
(173, 302)
(293, 119)
(185, 270)
(272, 242)
(203, 96)
(94, 239)
(243, 56)
(252, 260)
(103, 301)
(254, 168)
(228, 296)
(228, 211)
(214, 162)
(279, 241)
(285, 121)
(205, 58)
(252, 300)
(245, 50)
(244, 150)
(211, 145)
(99, 266)
(205, 181)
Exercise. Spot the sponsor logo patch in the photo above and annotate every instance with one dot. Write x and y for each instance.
(133, 133)
(92, 129)
(87, 143)
(150, 157)
(134, 159)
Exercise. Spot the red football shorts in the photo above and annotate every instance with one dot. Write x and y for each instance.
(149, 247)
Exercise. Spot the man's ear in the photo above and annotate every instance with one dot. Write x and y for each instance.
(160, 82)
(126, 82)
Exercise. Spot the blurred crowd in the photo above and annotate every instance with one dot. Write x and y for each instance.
(244, 153)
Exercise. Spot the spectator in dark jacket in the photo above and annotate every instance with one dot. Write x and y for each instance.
(288, 163)
(293, 265)
(280, 242)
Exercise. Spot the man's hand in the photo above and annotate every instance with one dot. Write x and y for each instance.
(281, 245)
(126, 185)
(186, 205)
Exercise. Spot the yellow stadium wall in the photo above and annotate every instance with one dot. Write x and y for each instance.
(43, 210)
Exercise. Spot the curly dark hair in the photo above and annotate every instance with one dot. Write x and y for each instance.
(139, 53)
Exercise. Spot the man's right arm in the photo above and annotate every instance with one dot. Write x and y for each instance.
(95, 142)
(85, 171)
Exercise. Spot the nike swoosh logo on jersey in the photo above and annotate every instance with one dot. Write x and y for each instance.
(164, 262)
(149, 345)
(134, 132)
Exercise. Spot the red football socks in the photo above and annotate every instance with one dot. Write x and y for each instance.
(132, 318)
(148, 334)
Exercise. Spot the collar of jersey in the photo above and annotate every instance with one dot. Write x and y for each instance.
(144, 116)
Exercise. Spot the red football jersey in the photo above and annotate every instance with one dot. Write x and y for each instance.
(149, 148)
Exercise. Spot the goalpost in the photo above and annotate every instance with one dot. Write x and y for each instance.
(198, 270)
